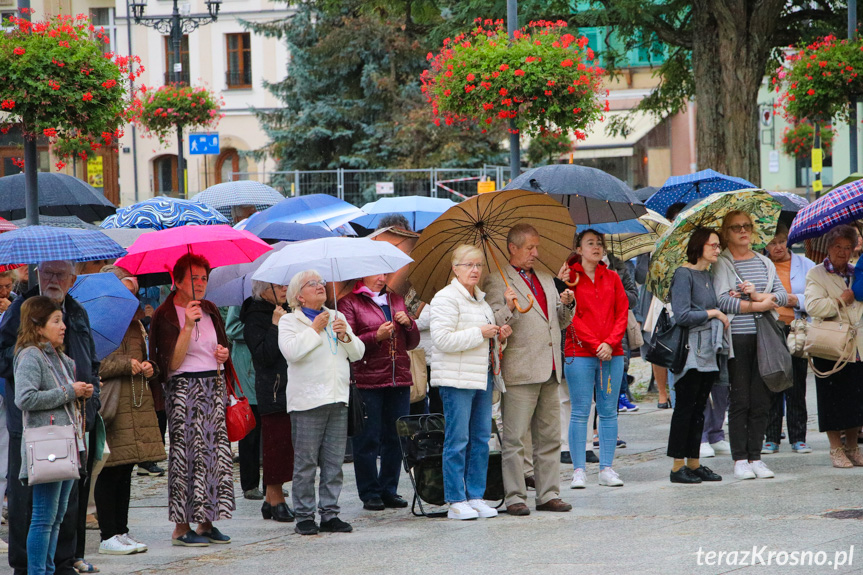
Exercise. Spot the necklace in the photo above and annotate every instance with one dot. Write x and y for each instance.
(332, 339)
(137, 403)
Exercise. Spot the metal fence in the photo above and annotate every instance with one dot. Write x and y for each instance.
(361, 186)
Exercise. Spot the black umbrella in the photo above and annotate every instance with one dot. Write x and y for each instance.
(60, 222)
(591, 195)
(643, 194)
(59, 195)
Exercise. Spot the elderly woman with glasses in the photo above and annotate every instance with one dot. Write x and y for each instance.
(318, 345)
(746, 284)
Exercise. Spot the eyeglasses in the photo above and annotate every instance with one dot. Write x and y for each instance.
(315, 283)
(714, 246)
(59, 276)
(737, 228)
(471, 266)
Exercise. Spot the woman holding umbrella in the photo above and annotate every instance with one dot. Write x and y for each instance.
(189, 344)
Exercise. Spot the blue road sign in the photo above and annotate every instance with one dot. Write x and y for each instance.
(200, 144)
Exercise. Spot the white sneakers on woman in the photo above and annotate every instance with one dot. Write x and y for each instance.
(470, 510)
(610, 478)
(578, 479)
(117, 545)
(750, 470)
(482, 508)
(761, 471)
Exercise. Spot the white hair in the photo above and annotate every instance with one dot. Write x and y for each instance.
(258, 289)
(297, 283)
(69, 264)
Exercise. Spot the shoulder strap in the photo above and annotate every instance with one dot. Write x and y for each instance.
(56, 377)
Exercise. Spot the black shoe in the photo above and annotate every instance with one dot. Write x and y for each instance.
(267, 510)
(393, 501)
(591, 457)
(374, 504)
(664, 405)
(306, 527)
(706, 474)
(335, 525)
(282, 513)
(150, 468)
(530, 482)
(254, 494)
(565, 457)
(684, 475)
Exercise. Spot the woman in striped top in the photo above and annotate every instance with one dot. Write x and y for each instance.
(746, 284)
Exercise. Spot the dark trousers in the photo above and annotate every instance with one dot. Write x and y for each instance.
(379, 438)
(687, 420)
(250, 455)
(749, 401)
(112, 495)
(162, 417)
(83, 487)
(20, 498)
(794, 399)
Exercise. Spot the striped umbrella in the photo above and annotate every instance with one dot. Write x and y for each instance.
(841, 206)
(627, 245)
(163, 212)
(226, 195)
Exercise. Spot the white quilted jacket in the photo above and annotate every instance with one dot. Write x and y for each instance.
(460, 355)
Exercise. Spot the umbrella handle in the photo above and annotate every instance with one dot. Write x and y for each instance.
(506, 282)
(572, 284)
(530, 305)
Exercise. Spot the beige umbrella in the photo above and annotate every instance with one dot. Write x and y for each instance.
(630, 245)
(484, 221)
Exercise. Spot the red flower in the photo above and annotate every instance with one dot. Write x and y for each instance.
(810, 91)
(87, 97)
(19, 51)
(470, 77)
(50, 132)
(487, 106)
(495, 74)
(468, 88)
(109, 84)
(447, 92)
(504, 67)
(519, 72)
(60, 165)
(448, 73)
(54, 85)
(7, 104)
(503, 91)
(566, 63)
(548, 92)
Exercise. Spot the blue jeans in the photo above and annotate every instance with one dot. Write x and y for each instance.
(379, 438)
(465, 447)
(583, 376)
(49, 507)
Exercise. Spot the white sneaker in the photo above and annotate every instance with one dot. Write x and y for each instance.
(139, 547)
(461, 510)
(706, 451)
(4, 547)
(578, 479)
(116, 546)
(721, 447)
(743, 470)
(761, 471)
(610, 478)
(482, 509)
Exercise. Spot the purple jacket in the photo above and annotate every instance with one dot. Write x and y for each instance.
(375, 369)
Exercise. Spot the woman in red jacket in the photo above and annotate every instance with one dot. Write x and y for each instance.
(594, 355)
(383, 376)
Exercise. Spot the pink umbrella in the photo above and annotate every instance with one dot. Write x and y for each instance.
(6, 225)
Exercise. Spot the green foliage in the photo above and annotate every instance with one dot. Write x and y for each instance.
(163, 109)
(542, 151)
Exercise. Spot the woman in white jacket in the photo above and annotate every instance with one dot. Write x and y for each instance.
(465, 366)
(318, 344)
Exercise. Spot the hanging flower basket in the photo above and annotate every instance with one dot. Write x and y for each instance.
(545, 79)
(195, 108)
(797, 140)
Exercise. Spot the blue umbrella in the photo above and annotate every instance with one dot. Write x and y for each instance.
(35, 244)
(293, 232)
(163, 212)
(624, 227)
(111, 307)
(318, 209)
(231, 285)
(420, 211)
(842, 205)
(684, 189)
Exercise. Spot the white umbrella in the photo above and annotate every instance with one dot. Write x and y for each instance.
(335, 259)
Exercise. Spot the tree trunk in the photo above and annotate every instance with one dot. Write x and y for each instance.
(710, 117)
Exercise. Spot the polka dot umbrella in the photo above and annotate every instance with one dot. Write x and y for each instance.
(684, 189)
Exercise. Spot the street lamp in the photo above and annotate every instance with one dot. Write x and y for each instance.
(176, 25)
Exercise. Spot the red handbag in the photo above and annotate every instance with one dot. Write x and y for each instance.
(239, 417)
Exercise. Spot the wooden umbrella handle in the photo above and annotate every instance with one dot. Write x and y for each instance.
(573, 284)
(506, 283)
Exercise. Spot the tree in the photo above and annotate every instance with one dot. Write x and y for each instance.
(542, 151)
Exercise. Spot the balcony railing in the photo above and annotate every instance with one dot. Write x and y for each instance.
(184, 78)
(240, 79)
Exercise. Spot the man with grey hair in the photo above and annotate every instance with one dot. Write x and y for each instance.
(55, 280)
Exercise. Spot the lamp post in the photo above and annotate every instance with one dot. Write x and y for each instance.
(176, 25)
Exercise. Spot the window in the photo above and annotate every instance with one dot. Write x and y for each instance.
(169, 60)
(239, 70)
(231, 167)
(104, 18)
(165, 174)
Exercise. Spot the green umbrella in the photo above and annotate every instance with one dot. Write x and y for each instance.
(670, 252)
(851, 178)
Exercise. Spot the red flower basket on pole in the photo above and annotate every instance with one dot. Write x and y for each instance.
(164, 109)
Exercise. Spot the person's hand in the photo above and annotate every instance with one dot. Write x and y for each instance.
(715, 313)
(4, 304)
(148, 310)
(147, 369)
(136, 366)
(567, 297)
(340, 327)
(510, 296)
(321, 321)
(402, 318)
(793, 301)
(489, 331)
(193, 314)
(221, 353)
(767, 304)
(82, 389)
(505, 332)
(747, 288)
(603, 352)
(847, 296)
(563, 273)
(277, 314)
(385, 331)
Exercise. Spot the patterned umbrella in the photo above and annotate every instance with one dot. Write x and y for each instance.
(242, 193)
(789, 201)
(35, 244)
(625, 244)
(684, 189)
(163, 212)
(841, 206)
(59, 195)
(7, 226)
(59, 222)
(670, 251)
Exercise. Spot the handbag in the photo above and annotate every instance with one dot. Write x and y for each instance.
(633, 331)
(774, 359)
(52, 450)
(419, 374)
(831, 339)
(356, 411)
(796, 340)
(669, 344)
(239, 418)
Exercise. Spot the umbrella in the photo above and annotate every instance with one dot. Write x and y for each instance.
(231, 285)
(684, 189)
(591, 195)
(241, 193)
(319, 209)
(625, 244)
(293, 232)
(111, 307)
(790, 202)
(59, 195)
(670, 251)
(35, 244)
(59, 222)
(643, 194)
(125, 236)
(420, 211)
(7, 226)
(485, 221)
(162, 212)
(841, 206)
(850, 178)
(221, 245)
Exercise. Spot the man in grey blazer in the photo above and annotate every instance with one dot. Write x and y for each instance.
(532, 367)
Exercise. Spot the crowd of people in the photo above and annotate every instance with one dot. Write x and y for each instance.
(301, 359)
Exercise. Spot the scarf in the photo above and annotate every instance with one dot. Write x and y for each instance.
(311, 313)
(379, 298)
(847, 275)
